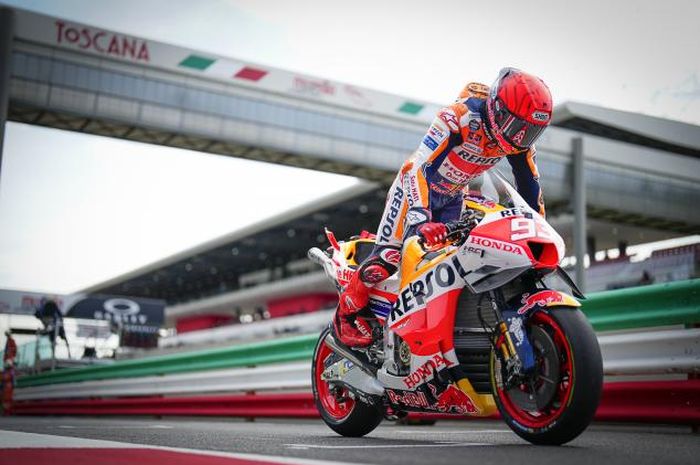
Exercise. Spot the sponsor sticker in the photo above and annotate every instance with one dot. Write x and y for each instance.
(518, 138)
(391, 256)
(437, 133)
(540, 116)
(453, 174)
(409, 399)
(434, 283)
(389, 221)
(425, 371)
(495, 244)
(430, 142)
(472, 148)
(476, 159)
(513, 212)
(474, 137)
(474, 125)
(343, 275)
(539, 299)
(516, 329)
(450, 119)
(415, 217)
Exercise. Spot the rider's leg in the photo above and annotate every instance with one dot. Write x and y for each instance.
(353, 330)
(382, 263)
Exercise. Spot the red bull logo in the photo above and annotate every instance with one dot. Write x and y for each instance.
(455, 400)
(539, 299)
(409, 399)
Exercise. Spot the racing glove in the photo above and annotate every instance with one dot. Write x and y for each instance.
(432, 233)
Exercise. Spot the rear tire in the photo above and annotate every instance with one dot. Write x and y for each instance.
(579, 386)
(346, 416)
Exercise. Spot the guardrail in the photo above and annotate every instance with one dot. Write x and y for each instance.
(657, 305)
(295, 375)
(274, 351)
(673, 402)
(276, 365)
(675, 303)
(666, 351)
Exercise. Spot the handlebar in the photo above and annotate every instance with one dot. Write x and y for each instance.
(458, 229)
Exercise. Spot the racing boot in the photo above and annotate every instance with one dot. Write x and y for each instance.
(353, 330)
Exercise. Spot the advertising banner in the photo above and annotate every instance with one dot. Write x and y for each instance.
(137, 319)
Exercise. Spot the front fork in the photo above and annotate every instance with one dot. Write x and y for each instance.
(515, 347)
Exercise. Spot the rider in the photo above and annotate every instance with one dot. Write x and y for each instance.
(464, 140)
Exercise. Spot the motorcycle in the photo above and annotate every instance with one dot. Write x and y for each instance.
(466, 328)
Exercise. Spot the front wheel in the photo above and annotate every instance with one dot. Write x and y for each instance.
(343, 413)
(557, 402)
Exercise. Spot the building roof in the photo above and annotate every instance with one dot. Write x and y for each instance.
(635, 128)
(268, 247)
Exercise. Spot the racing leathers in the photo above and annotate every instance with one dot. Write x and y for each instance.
(428, 191)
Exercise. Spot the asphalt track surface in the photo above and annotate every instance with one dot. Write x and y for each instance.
(447, 442)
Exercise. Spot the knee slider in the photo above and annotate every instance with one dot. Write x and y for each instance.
(374, 273)
(380, 266)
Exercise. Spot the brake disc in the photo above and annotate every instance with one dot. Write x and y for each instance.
(537, 390)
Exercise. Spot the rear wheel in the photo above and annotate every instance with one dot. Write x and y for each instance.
(557, 402)
(343, 413)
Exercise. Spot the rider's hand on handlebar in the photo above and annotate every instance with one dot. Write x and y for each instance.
(432, 233)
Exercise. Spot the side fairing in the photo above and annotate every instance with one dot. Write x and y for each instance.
(489, 258)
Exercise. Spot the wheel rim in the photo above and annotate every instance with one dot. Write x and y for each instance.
(336, 401)
(541, 418)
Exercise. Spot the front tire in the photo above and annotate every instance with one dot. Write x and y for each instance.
(342, 413)
(571, 400)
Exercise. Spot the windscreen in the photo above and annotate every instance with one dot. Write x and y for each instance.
(492, 186)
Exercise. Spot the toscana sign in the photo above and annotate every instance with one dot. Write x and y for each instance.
(106, 43)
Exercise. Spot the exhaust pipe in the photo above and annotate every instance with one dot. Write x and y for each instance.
(317, 256)
(346, 353)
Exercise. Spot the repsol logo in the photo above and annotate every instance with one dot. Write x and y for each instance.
(476, 159)
(415, 295)
(389, 223)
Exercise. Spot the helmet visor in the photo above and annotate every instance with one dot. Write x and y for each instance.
(517, 131)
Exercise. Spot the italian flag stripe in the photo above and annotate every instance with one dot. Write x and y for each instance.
(196, 62)
(410, 108)
(250, 74)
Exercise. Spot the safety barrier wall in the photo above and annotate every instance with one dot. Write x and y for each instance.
(658, 305)
(654, 352)
(675, 402)
(274, 351)
(638, 307)
(261, 366)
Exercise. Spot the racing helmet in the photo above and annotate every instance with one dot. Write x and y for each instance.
(518, 109)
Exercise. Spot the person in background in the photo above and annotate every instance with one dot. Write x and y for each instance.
(8, 372)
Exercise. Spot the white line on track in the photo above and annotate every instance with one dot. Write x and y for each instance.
(131, 427)
(19, 440)
(472, 431)
(389, 446)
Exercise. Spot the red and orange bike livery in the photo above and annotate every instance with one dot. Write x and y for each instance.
(468, 328)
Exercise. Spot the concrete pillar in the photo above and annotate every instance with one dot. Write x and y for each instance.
(591, 248)
(7, 33)
(579, 204)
